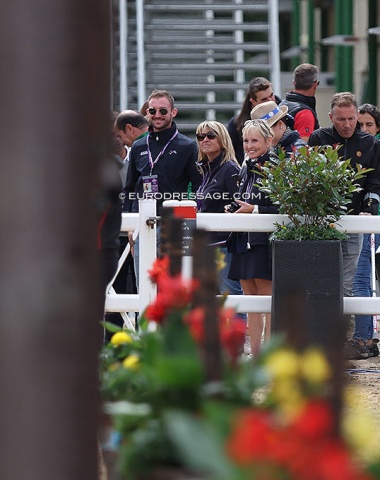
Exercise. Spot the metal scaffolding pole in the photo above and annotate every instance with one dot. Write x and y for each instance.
(274, 40)
(140, 52)
(123, 57)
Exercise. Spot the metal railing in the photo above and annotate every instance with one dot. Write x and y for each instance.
(146, 222)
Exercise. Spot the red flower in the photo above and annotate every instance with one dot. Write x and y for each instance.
(232, 332)
(259, 443)
(315, 420)
(174, 293)
(252, 437)
(195, 319)
(157, 310)
(160, 268)
(335, 463)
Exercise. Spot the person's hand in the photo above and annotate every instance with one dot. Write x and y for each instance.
(131, 243)
(244, 207)
(231, 207)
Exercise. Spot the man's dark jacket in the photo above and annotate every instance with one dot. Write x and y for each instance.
(361, 148)
(175, 169)
(297, 102)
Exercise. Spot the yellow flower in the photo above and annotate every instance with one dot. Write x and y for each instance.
(283, 363)
(288, 396)
(314, 366)
(359, 428)
(359, 431)
(220, 260)
(121, 337)
(131, 362)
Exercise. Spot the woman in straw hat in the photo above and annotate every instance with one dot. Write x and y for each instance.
(276, 116)
(250, 250)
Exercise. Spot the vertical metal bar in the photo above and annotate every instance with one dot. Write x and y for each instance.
(210, 95)
(238, 36)
(324, 50)
(338, 51)
(296, 40)
(343, 55)
(372, 54)
(141, 77)
(123, 58)
(274, 40)
(310, 26)
(348, 51)
(54, 132)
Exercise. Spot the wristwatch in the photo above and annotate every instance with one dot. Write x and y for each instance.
(255, 209)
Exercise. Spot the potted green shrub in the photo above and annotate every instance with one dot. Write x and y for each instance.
(314, 188)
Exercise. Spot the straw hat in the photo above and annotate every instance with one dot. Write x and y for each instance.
(269, 111)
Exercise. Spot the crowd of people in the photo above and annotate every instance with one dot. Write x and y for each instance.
(221, 168)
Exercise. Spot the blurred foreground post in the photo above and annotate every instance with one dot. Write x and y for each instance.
(54, 127)
(204, 271)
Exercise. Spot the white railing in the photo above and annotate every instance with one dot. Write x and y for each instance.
(227, 223)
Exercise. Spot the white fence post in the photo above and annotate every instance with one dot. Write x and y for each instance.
(147, 251)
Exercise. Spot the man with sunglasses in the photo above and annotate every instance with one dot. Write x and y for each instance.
(163, 163)
(301, 101)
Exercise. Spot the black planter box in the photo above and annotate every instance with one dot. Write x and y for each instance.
(307, 300)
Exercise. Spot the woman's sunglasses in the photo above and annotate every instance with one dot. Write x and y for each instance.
(209, 135)
(153, 111)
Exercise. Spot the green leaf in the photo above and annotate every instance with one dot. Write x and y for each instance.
(111, 327)
(200, 445)
(179, 370)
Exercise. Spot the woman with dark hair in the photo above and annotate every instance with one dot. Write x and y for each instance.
(369, 119)
(259, 90)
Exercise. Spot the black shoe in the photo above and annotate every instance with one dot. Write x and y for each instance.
(374, 350)
(354, 351)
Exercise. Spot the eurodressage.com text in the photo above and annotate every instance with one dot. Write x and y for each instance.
(193, 196)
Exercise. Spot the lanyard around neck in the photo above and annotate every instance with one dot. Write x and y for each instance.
(152, 162)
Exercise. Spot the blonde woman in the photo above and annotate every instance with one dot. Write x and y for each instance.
(220, 170)
(250, 251)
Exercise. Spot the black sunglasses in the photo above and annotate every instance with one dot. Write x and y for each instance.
(209, 135)
(153, 111)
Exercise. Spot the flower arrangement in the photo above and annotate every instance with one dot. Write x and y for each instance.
(313, 187)
(270, 418)
(162, 368)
